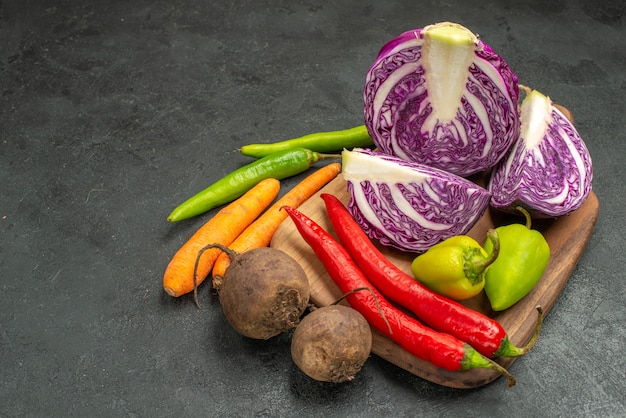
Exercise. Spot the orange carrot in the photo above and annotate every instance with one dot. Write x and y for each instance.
(260, 232)
(223, 228)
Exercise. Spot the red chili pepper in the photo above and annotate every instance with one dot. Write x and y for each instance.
(485, 334)
(442, 350)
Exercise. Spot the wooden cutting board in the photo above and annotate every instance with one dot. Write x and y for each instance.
(567, 237)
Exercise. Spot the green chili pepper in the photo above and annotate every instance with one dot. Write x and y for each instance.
(319, 142)
(524, 255)
(278, 165)
(456, 266)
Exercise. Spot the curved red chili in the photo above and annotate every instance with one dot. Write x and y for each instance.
(485, 334)
(442, 350)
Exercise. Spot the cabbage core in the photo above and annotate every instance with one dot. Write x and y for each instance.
(448, 53)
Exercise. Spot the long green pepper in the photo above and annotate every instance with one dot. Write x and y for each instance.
(278, 165)
(330, 141)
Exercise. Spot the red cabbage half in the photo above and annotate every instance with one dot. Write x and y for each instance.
(442, 97)
(549, 169)
(407, 205)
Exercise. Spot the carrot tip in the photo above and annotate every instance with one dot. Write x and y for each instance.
(217, 282)
(171, 292)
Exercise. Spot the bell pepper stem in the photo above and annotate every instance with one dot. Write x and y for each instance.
(480, 264)
(526, 215)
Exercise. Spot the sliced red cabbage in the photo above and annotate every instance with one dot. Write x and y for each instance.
(548, 170)
(442, 97)
(408, 205)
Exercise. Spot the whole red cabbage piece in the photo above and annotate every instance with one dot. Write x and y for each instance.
(548, 170)
(442, 97)
(408, 205)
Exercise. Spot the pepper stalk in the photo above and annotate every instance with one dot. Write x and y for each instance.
(456, 267)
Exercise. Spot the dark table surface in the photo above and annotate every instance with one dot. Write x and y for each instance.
(113, 112)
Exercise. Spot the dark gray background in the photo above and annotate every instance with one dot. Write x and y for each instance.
(113, 112)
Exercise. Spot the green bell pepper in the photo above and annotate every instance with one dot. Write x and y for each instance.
(523, 258)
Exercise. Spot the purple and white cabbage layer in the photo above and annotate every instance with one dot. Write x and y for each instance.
(548, 170)
(408, 205)
(442, 97)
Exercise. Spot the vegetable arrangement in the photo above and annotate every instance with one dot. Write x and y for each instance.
(223, 228)
(442, 350)
(260, 232)
(440, 107)
(443, 314)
